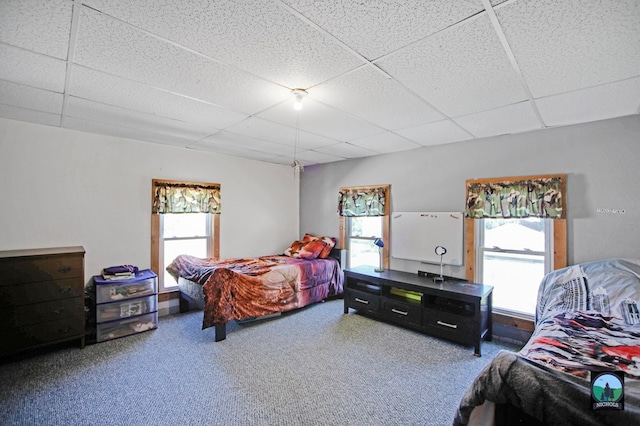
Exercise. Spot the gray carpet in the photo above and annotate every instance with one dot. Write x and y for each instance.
(315, 366)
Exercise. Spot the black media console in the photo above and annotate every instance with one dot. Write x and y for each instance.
(453, 309)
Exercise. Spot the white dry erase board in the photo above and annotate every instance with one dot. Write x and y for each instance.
(415, 235)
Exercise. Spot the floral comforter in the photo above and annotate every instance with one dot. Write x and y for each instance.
(250, 287)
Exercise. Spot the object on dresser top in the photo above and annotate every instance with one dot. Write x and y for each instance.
(119, 272)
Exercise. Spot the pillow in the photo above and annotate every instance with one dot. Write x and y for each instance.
(329, 242)
(305, 250)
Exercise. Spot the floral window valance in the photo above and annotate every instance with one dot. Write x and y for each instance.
(185, 197)
(364, 201)
(517, 197)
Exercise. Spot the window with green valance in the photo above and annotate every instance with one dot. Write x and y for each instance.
(364, 201)
(517, 197)
(185, 197)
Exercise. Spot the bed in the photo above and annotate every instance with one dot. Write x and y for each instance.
(587, 322)
(308, 271)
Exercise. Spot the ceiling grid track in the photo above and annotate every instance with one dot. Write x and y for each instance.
(73, 37)
(514, 63)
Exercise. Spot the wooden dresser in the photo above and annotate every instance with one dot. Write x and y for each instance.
(41, 298)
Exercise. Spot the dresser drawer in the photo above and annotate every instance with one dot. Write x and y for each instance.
(36, 269)
(404, 312)
(19, 338)
(20, 316)
(363, 301)
(26, 294)
(445, 324)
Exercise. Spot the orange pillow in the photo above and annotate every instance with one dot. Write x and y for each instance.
(305, 249)
(330, 243)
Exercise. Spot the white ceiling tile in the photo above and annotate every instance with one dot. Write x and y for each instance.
(596, 103)
(230, 139)
(385, 143)
(346, 150)
(116, 48)
(254, 127)
(367, 94)
(41, 26)
(501, 121)
(30, 98)
(112, 129)
(231, 150)
(562, 46)
(460, 70)
(320, 119)
(108, 89)
(31, 69)
(102, 113)
(276, 45)
(439, 132)
(32, 116)
(313, 157)
(374, 28)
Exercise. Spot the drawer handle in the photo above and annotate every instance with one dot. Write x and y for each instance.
(65, 290)
(64, 330)
(366, 302)
(64, 269)
(58, 311)
(446, 324)
(399, 312)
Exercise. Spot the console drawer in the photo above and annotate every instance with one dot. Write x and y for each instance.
(363, 301)
(403, 312)
(451, 326)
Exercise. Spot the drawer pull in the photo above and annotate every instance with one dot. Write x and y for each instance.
(67, 289)
(58, 311)
(396, 311)
(446, 324)
(64, 269)
(64, 330)
(357, 299)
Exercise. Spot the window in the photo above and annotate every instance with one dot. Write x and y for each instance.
(185, 219)
(361, 232)
(183, 234)
(513, 255)
(364, 216)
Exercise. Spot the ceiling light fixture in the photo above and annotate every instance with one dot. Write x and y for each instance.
(299, 95)
(297, 166)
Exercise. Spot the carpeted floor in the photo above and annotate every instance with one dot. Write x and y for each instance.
(315, 366)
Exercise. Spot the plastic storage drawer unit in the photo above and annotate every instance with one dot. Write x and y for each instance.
(144, 284)
(126, 327)
(126, 307)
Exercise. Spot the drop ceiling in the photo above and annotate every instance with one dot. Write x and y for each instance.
(382, 76)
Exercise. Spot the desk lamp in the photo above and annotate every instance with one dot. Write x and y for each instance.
(378, 242)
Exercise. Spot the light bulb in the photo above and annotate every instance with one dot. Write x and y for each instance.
(297, 104)
(299, 95)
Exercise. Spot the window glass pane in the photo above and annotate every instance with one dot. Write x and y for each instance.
(173, 248)
(515, 234)
(184, 225)
(363, 252)
(515, 279)
(368, 226)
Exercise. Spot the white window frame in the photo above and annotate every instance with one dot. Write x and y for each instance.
(480, 250)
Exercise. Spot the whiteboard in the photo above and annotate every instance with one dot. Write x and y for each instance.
(415, 236)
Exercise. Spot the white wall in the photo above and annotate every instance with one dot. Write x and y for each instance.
(601, 159)
(64, 188)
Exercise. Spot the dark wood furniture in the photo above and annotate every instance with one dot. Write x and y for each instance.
(454, 309)
(41, 298)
